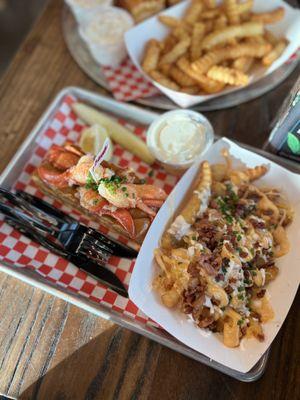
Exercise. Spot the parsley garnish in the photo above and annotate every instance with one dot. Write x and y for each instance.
(113, 183)
(232, 195)
(90, 182)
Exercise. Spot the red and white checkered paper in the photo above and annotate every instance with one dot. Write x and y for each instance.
(22, 252)
(127, 83)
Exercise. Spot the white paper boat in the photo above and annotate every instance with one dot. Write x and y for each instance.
(282, 290)
(138, 36)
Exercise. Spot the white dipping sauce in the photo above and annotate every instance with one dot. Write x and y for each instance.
(179, 137)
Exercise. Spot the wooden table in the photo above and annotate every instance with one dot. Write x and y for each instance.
(52, 350)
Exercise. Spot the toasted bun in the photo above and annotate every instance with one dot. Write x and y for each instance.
(67, 196)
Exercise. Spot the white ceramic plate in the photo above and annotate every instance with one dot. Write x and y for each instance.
(289, 27)
(282, 290)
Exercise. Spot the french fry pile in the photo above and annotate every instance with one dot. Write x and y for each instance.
(212, 46)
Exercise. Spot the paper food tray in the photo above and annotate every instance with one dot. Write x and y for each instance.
(282, 290)
(289, 27)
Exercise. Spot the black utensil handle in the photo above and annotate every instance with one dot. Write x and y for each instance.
(45, 208)
(35, 236)
(31, 221)
(103, 275)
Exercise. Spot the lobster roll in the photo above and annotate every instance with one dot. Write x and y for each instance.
(113, 196)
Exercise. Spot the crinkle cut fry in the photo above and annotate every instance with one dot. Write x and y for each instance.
(163, 80)
(247, 29)
(177, 51)
(151, 56)
(192, 206)
(230, 76)
(269, 17)
(232, 11)
(180, 77)
(206, 84)
(275, 53)
(214, 57)
(197, 36)
(243, 63)
(193, 12)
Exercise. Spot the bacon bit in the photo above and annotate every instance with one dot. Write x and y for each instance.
(228, 289)
(268, 264)
(254, 314)
(187, 309)
(258, 224)
(267, 212)
(243, 330)
(207, 232)
(240, 209)
(219, 277)
(213, 204)
(215, 301)
(246, 274)
(193, 297)
(232, 280)
(228, 247)
(261, 293)
(210, 263)
(243, 254)
(193, 269)
(254, 196)
(260, 337)
(205, 322)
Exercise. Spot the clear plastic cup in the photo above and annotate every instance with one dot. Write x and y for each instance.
(82, 8)
(179, 129)
(103, 31)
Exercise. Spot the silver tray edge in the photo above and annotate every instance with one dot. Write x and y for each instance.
(10, 174)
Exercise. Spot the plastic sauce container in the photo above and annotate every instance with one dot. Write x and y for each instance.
(178, 138)
(82, 8)
(104, 31)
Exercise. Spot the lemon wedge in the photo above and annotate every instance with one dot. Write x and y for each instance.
(92, 140)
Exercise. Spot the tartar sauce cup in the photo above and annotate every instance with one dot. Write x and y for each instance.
(178, 138)
(103, 31)
(82, 8)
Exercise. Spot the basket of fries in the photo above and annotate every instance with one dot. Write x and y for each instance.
(196, 50)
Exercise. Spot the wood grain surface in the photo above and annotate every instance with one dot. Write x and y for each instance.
(52, 350)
